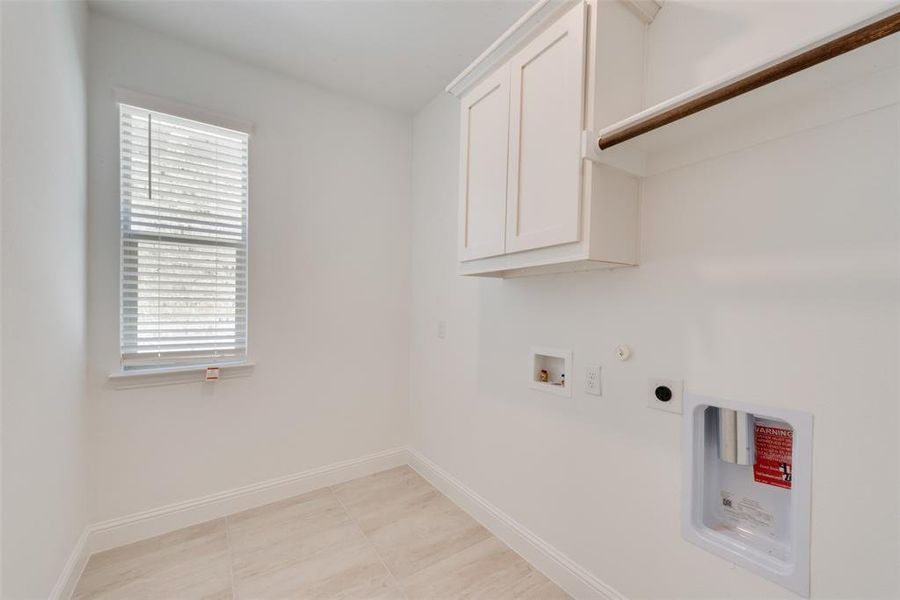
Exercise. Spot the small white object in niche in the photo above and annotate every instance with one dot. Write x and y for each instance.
(548, 369)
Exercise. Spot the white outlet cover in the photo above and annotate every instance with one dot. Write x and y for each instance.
(674, 404)
(592, 380)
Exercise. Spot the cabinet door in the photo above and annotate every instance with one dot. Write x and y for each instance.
(547, 98)
(484, 143)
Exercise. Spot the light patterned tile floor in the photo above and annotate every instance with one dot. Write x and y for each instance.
(385, 536)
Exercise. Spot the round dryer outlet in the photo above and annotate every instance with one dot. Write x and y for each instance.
(665, 394)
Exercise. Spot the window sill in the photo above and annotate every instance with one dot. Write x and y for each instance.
(173, 375)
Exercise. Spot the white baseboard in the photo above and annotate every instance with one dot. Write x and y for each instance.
(569, 575)
(65, 585)
(150, 523)
(143, 525)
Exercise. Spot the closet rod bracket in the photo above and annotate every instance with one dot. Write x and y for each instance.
(590, 146)
(625, 159)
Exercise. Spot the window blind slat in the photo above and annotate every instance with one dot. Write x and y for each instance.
(138, 164)
(187, 137)
(138, 172)
(193, 130)
(183, 191)
(179, 202)
(184, 241)
(188, 184)
(197, 242)
(228, 163)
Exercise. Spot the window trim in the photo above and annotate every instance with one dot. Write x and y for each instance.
(138, 377)
(133, 378)
(181, 110)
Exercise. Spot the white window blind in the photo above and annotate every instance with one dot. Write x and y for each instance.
(184, 241)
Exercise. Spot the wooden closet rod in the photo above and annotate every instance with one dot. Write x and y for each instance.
(850, 41)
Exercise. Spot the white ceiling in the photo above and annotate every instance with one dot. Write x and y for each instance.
(395, 53)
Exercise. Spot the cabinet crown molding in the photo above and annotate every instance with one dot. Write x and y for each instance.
(532, 21)
(543, 12)
(645, 10)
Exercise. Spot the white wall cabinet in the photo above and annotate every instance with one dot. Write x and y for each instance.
(547, 87)
(529, 202)
(484, 143)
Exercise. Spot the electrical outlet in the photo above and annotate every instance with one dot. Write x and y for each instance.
(442, 329)
(592, 379)
(665, 394)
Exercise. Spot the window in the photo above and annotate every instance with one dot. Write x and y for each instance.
(184, 241)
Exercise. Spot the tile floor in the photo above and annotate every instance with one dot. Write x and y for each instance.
(388, 535)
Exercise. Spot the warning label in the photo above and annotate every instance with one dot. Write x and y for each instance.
(774, 444)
